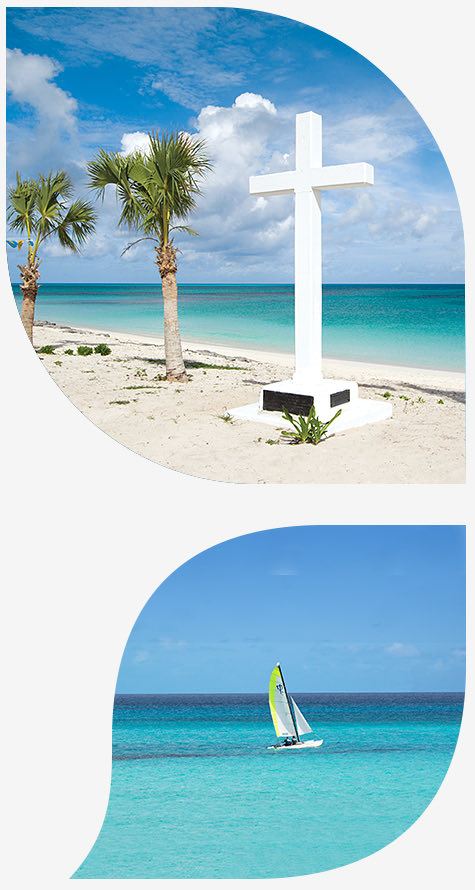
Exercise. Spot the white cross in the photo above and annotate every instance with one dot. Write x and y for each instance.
(307, 181)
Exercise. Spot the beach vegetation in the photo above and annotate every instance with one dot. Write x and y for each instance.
(440, 402)
(406, 398)
(47, 350)
(271, 441)
(157, 191)
(226, 417)
(102, 349)
(307, 429)
(385, 395)
(69, 351)
(120, 402)
(43, 208)
(84, 350)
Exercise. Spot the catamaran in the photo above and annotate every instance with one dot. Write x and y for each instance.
(286, 717)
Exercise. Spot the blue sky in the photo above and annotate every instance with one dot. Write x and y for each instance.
(343, 608)
(83, 78)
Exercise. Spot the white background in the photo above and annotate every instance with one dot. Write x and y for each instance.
(91, 529)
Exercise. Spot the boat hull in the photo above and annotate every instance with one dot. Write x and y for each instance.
(301, 746)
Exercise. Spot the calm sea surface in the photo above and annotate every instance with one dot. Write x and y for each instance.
(195, 793)
(419, 325)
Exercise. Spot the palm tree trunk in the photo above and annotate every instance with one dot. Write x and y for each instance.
(29, 276)
(166, 262)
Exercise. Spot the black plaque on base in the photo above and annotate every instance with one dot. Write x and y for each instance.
(339, 398)
(272, 400)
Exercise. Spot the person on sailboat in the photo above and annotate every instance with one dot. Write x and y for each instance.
(294, 740)
(287, 741)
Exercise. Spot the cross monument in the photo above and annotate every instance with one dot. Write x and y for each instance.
(307, 387)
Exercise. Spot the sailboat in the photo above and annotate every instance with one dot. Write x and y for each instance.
(288, 720)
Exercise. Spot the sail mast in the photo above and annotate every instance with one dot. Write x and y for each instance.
(288, 702)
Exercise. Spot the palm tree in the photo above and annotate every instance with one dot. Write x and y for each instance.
(155, 188)
(39, 207)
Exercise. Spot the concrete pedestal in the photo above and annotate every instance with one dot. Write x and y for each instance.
(328, 396)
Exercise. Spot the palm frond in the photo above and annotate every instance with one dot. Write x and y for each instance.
(154, 187)
(137, 242)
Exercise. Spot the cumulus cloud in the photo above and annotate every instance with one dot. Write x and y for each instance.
(245, 238)
(137, 141)
(402, 650)
(30, 82)
(242, 139)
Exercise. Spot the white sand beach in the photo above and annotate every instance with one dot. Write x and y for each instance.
(183, 426)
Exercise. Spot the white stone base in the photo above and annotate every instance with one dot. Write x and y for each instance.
(356, 412)
(320, 390)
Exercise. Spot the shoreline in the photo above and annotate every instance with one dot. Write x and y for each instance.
(189, 427)
(352, 366)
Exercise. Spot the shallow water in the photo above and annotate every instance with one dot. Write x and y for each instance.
(418, 325)
(196, 794)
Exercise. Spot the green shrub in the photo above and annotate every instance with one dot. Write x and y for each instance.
(307, 429)
(102, 349)
(49, 350)
(84, 350)
(68, 352)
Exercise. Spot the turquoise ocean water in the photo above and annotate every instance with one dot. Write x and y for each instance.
(195, 793)
(419, 325)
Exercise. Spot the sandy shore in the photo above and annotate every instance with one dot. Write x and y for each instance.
(183, 426)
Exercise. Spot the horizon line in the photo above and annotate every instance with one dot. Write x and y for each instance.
(340, 692)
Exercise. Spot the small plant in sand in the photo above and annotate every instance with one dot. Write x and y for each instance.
(69, 352)
(102, 349)
(47, 350)
(385, 395)
(440, 402)
(307, 429)
(84, 350)
(226, 417)
(272, 441)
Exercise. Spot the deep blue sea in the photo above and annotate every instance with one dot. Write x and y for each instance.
(416, 324)
(195, 793)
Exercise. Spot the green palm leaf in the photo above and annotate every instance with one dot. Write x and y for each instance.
(156, 187)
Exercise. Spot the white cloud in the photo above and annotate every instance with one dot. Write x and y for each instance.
(402, 650)
(172, 645)
(137, 141)
(362, 209)
(371, 138)
(29, 80)
(141, 656)
(244, 238)
(30, 83)
(405, 220)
